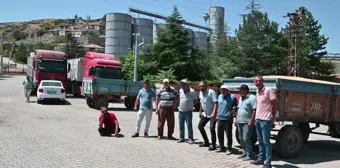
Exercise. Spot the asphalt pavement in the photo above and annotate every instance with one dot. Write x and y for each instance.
(66, 136)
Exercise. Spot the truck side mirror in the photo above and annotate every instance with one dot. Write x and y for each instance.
(68, 67)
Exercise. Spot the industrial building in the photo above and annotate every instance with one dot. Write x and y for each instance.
(122, 29)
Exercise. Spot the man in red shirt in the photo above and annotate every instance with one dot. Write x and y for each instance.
(110, 122)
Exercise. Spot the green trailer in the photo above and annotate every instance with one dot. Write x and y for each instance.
(98, 91)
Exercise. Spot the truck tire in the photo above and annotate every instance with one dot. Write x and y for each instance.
(127, 103)
(334, 130)
(253, 137)
(89, 102)
(101, 101)
(305, 129)
(289, 141)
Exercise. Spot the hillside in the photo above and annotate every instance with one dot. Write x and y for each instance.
(47, 30)
(30, 29)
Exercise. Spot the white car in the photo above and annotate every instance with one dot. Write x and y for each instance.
(51, 90)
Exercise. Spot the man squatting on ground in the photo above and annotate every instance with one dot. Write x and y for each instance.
(265, 117)
(244, 120)
(110, 122)
(226, 103)
(145, 98)
(166, 103)
(208, 103)
(187, 99)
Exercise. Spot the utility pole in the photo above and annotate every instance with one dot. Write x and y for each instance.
(135, 70)
(2, 53)
(295, 34)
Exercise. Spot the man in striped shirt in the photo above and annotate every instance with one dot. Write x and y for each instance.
(166, 101)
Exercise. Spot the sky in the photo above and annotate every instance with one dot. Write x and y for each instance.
(326, 11)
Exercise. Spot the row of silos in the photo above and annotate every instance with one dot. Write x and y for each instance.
(119, 38)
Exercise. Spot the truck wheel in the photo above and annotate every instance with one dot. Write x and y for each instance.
(334, 130)
(101, 101)
(126, 103)
(253, 137)
(89, 102)
(289, 141)
(305, 129)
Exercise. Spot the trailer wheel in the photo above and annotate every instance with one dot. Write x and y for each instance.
(289, 141)
(89, 102)
(101, 101)
(127, 103)
(253, 137)
(334, 130)
(305, 129)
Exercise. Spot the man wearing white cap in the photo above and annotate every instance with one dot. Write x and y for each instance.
(166, 103)
(226, 103)
(187, 99)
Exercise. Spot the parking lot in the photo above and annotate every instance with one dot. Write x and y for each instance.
(33, 135)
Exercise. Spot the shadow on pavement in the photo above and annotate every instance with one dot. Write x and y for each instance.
(316, 152)
(47, 102)
(115, 109)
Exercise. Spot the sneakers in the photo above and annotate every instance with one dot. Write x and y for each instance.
(242, 156)
(146, 135)
(180, 141)
(135, 135)
(191, 141)
(204, 145)
(212, 148)
(159, 137)
(228, 152)
(171, 138)
(257, 162)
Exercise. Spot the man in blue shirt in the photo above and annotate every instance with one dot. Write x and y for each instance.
(208, 102)
(245, 121)
(226, 103)
(145, 100)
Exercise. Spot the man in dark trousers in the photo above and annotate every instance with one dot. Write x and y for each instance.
(208, 102)
(166, 102)
(226, 103)
(110, 122)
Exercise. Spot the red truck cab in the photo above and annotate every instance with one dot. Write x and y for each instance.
(47, 65)
(105, 64)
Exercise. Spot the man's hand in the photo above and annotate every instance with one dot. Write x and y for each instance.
(135, 109)
(235, 123)
(156, 111)
(213, 116)
(250, 124)
(201, 114)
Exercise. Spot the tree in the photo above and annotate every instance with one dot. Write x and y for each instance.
(128, 67)
(311, 48)
(73, 47)
(173, 50)
(259, 44)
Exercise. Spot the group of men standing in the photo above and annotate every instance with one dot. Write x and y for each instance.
(247, 113)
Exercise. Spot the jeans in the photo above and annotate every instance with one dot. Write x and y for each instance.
(201, 125)
(227, 127)
(245, 134)
(148, 115)
(185, 117)
(263, 128)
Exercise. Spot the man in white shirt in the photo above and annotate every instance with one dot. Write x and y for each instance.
(187, 98)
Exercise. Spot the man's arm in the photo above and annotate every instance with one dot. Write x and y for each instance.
(176, 99)
(136, 104)
(273, 100)
(214, 100)
(101, 121)
(157, 102)
(116, 127)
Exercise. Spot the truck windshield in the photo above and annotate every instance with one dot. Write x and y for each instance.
(109, 73)
(52, 66)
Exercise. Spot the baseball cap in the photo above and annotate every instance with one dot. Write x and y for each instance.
(146, 81)
(244, 87)
(224, 87)
(184, 81)
(165, 80)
